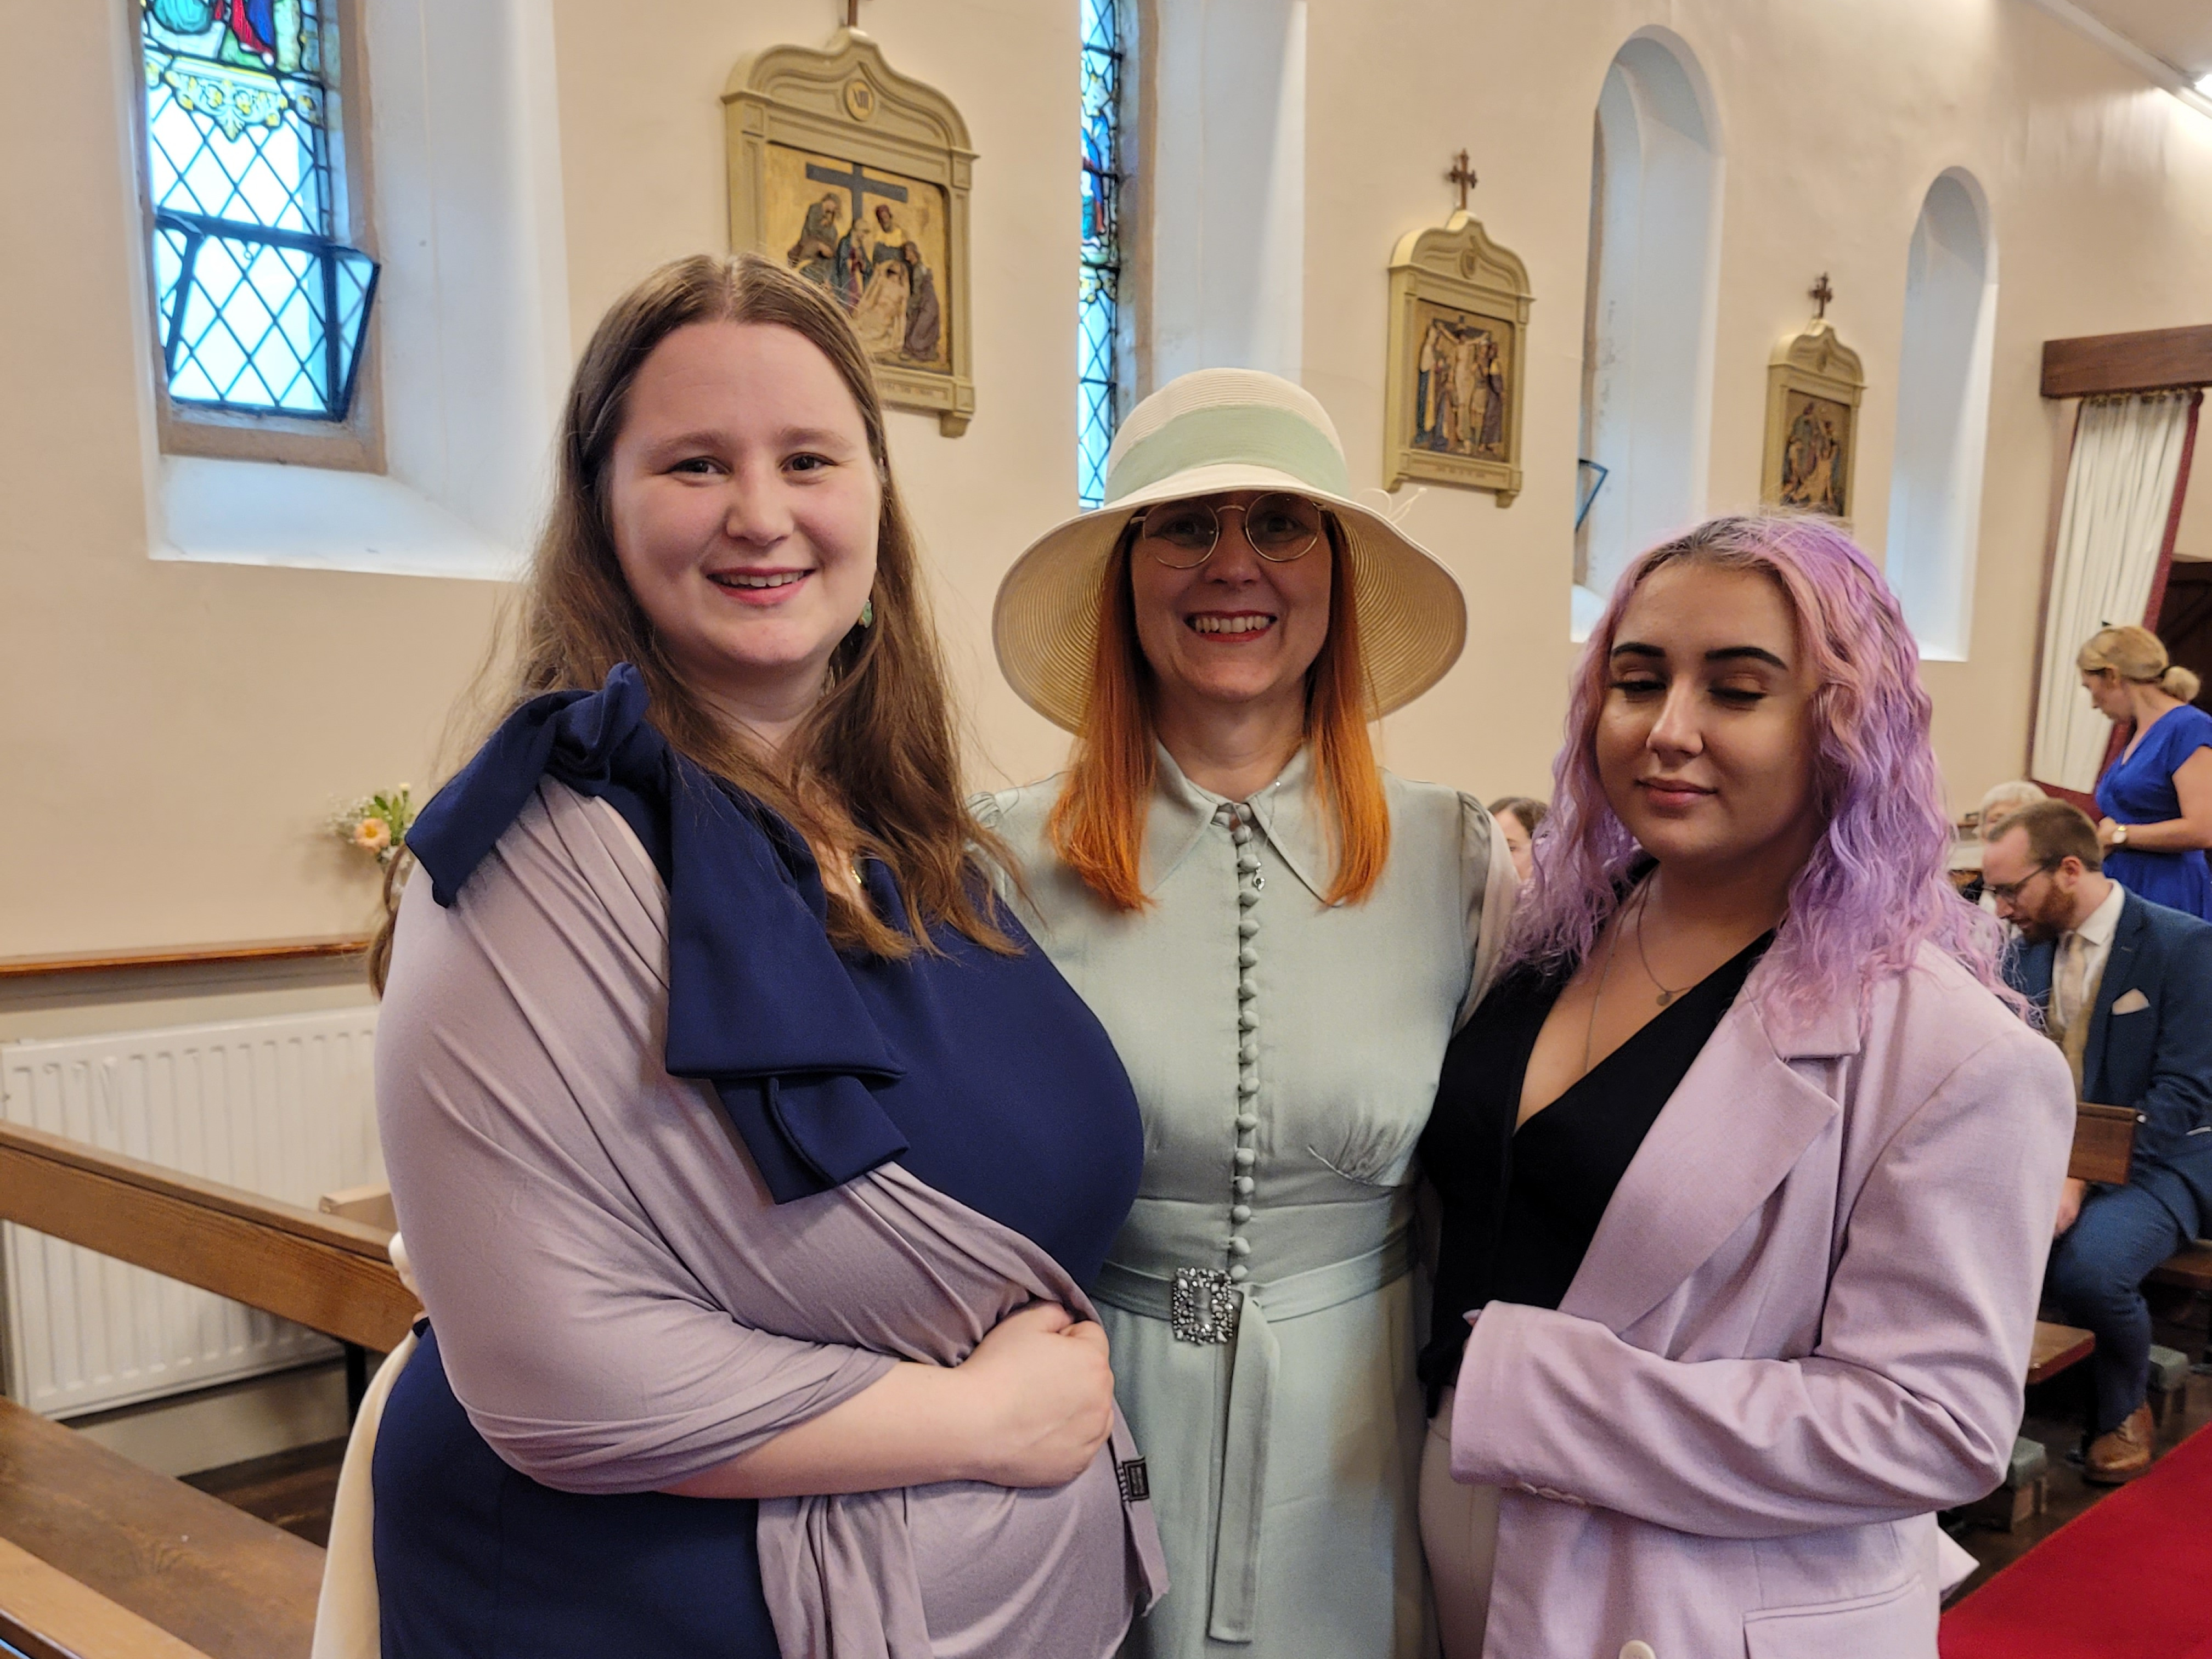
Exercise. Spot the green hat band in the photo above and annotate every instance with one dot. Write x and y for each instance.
(1273, 438)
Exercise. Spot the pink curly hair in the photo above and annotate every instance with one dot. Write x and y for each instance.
(1874, 890)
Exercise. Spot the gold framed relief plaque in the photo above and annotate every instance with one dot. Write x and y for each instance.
(1814, 385)
(857, 177)
(1459, 321)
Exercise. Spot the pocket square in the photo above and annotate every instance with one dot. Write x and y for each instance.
(2134, 1002)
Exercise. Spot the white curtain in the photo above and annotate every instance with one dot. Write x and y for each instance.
(2119, 493)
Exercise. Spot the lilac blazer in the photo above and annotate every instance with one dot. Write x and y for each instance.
(1802, 1328)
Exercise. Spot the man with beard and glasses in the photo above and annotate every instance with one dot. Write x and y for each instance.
(2126, 989)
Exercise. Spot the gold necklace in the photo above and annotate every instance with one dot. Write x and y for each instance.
(1667, 994)
(1597, 996)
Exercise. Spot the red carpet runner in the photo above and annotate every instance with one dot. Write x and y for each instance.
(2131, 1579)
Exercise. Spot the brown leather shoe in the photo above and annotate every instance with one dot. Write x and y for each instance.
(2123, 1453)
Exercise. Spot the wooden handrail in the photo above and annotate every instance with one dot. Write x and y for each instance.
(324, 1272)
(184, 956)
(337, 1232)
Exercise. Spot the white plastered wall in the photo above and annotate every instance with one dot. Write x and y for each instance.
(170, 733)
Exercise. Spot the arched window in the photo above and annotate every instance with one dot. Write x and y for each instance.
(1942, 414)
(1647, 312)
(260, 305)
(1099, 305)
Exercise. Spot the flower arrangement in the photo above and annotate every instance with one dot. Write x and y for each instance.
(376, 823)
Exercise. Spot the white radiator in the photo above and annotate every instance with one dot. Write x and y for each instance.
(281, 1107)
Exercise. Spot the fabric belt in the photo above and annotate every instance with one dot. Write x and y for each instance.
(1256, 1357)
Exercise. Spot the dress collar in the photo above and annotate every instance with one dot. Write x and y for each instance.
(1285, 812)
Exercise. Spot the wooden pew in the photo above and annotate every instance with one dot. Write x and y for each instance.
(2190, 1270)
(2055, 1348)
(165, 1557)
(2103, 1143)
(49, 1615)
(100, 1559)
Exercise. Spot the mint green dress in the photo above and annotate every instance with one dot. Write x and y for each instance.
(1260, 1299)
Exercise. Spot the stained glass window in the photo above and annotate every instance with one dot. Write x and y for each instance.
(1098, 314)
(262, 309)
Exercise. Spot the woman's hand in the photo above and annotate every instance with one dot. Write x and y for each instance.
(1042, 1395)
(2107, 833)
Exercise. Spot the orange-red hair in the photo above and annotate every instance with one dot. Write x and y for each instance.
(1097, 824)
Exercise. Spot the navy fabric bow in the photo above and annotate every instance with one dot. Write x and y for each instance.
(759, 1003)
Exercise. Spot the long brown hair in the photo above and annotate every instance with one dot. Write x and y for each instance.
(1097, 824)
(874, 769)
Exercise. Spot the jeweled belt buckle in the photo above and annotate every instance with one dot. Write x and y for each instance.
(1202, 1307)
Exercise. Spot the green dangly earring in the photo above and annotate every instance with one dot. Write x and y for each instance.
(868, 614)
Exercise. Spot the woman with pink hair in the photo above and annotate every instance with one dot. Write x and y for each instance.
(1749, 1163)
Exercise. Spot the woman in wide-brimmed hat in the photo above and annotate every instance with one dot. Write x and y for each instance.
(1279, 937)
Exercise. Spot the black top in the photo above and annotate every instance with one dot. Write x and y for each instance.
(1519, 1208)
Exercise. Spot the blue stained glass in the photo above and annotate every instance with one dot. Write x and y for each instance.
(1098, 403)
(262, 310)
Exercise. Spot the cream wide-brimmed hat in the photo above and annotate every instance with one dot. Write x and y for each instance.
(1213, 431)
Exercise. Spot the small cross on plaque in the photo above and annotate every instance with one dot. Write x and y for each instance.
(1463, 175)
(1822, 293)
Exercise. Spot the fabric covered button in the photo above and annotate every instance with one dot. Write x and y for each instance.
(1248, 862)
(1247, 1089)
(1249, 1052)
(1243, 1185)
(1240, 1213)
(1240, 1246)
(1247, 897)
(1638, 1650)
(1242, 833)
(1247, 957)
(1247, 928)
(1247, 1120)
(1248, 1021)
(1246, 992)
(1246, 1157)
(1240, 1273)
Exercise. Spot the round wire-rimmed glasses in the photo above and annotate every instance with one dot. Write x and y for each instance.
(1277, 526)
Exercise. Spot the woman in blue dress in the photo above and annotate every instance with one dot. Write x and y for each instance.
(2157, 797)
(752, 1160)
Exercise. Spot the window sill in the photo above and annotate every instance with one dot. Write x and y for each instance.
(225, 512)
(1584, 606)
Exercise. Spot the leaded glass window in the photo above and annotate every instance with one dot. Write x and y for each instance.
(1098, 314)
(261, 308)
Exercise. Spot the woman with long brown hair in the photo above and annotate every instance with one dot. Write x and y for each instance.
(1279, 936)
(749, 1157)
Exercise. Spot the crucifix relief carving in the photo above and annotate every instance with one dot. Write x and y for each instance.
(858, 179)
(1463, 175)
(858, 183)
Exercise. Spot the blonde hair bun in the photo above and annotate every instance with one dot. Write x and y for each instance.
(2136, 655)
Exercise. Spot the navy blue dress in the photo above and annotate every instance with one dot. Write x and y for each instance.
(2139, 789)
(982, 1073)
